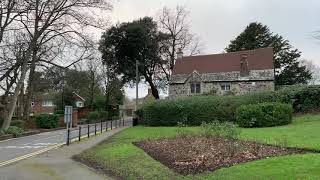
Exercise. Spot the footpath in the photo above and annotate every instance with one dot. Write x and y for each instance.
(57, 164)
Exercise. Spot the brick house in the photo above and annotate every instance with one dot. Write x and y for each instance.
(44, 103)
(222, 74)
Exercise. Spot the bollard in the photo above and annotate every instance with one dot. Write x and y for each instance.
(95, 128)
(68, 137)
(106, 125)
(101, 127)
(88, 130)
(79, 133)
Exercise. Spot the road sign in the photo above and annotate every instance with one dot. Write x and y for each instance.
(68, 114)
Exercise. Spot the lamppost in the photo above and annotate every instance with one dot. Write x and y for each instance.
(135, 119)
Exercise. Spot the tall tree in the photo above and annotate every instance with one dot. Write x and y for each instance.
(175, 23)
(288, 68)
(315, 70)
(124, 44)
(45, 22)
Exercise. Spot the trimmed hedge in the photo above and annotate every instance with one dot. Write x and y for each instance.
(97, 116)
(264, 115)
(302, 98)
(47, 121)
(195, 110)
(198, 109)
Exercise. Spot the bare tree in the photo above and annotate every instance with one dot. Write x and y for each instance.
(48, 20)
(314, 69)
(175, 23)
(9, 11)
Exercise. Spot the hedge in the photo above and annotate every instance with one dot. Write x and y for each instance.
(47, 121)
(197, 109)
(264, 115)
(97, 116)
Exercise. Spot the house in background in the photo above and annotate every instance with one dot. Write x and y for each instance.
(222, 74)
(129, 107)
(44, 103)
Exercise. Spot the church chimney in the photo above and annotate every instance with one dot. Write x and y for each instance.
(179, 54)
(244, 65)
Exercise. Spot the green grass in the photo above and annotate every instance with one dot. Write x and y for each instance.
(125, 160)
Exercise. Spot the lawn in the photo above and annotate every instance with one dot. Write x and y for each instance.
(123, 159)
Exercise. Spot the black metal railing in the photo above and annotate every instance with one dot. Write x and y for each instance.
(88, 130)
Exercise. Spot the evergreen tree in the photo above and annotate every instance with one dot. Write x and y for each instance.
(288, 68)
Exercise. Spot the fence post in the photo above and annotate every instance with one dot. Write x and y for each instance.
(122, 121)
(68, 137)
(79, 133)
(111, 124)
(106, 125)
(95, 128)
(88, 130)
(101, 126)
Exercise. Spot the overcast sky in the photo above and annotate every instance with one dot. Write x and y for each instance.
(219, 21)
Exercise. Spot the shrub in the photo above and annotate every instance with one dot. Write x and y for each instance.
(103, 114)
(47, 121)
(198, 109)
(16, 131)
(1, 121)
(195, 110)
(97, 116)
(264, 115)
(18, 123)
(59, 112)
(220, 129)
(93, 115)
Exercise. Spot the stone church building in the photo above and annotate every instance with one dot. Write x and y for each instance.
(223, 74)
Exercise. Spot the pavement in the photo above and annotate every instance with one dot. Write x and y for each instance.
(56, 164)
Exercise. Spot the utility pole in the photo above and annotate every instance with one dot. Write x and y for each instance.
(135, 119)
(137, 84)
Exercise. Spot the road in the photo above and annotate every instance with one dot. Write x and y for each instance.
(19, 147)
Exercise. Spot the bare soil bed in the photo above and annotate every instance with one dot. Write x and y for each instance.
(197, 154)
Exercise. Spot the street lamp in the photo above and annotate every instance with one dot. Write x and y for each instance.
(135, 119)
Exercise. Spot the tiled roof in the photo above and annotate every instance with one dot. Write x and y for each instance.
(258, 59)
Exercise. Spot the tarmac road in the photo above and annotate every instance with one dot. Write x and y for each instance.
(14, 149)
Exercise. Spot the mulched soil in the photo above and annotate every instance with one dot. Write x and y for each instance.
(197, 154)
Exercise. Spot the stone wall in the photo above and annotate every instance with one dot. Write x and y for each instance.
(214, 88)
(258, 80)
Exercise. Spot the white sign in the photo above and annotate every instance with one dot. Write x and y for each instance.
(68, 114)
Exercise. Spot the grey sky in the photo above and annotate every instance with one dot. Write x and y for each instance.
(219, 21)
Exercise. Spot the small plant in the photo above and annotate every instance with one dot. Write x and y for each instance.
(282, 141)
(182, 130)
(221, 129)
(16, 131)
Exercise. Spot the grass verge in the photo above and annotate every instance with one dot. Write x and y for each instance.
(123, 159)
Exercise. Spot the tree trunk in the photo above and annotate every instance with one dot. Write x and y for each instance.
(154, 89)
(30, 92)
(13, 100)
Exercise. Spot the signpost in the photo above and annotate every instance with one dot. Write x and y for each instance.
(68, 120)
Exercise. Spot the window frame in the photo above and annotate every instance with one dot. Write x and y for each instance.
(195, 88)
(224, 87)
(46, 104)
